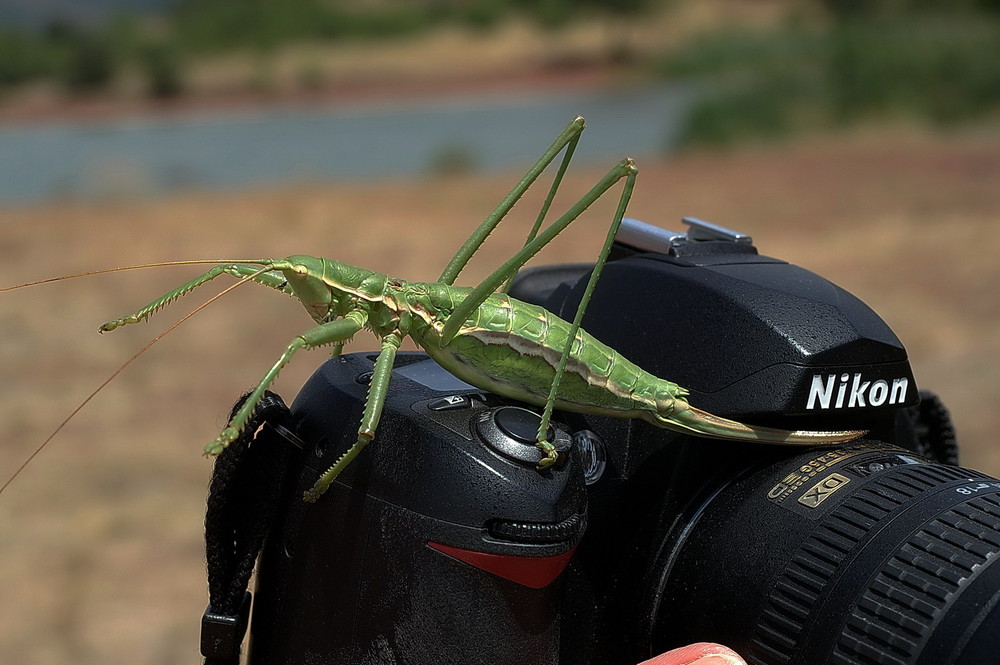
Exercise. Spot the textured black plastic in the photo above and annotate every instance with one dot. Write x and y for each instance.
(351, 579)
(744, 333)
(891, 569)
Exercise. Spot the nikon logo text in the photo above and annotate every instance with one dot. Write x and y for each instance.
(846, 391)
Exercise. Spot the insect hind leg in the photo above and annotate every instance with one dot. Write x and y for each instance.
(624, 169)
(567, 139)
(547, 449)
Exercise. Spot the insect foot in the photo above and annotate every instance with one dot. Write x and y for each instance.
(313, 494)
(550, 455)
(365, 436)
(117, 323)
(222, 441)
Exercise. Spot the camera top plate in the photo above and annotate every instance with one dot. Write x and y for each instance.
(751, 336)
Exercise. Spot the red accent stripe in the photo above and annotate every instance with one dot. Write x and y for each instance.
(532, 572)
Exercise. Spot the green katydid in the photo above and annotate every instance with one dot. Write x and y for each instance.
(480, 335)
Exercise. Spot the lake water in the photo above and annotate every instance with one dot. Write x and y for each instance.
(240, 149)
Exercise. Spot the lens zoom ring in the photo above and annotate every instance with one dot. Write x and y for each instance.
(897, 612)
(821, 555)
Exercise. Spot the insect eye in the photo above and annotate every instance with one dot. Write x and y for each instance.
(300, 269)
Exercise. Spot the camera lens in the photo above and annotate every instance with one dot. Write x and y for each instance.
(867, 554)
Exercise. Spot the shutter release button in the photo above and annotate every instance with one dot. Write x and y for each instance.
(512, 430)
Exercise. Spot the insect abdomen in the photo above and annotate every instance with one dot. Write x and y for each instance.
(513, 348)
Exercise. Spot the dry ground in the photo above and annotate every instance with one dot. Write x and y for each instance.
(100, 539)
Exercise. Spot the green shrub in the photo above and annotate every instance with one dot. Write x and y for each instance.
(484, 14)
(89, 64)
(941, 70)
(938, 68)
(161, 64)
(21, 59)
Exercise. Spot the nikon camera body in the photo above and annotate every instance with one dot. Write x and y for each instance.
(443, 543)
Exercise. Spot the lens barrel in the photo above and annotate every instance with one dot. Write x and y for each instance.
(861, 555)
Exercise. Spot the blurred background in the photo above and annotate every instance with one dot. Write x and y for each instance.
(858, 139)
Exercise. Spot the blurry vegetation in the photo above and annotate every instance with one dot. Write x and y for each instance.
(160, 61)
(452, 160)
(22, 59)
(88, 64)
(828, 64)
(933, 61)
(90, 59)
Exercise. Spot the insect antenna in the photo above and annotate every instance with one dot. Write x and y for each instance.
(140, 266)
(135, 356)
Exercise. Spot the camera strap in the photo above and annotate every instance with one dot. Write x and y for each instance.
(242, 502)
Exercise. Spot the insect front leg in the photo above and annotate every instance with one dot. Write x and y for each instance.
(332, 332)
(257, 273)
(377, 391)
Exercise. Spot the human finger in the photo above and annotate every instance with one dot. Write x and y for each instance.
(702, 653)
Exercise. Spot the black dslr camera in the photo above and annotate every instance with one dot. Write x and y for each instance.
(442, 543)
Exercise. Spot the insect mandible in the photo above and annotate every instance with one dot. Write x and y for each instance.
(480, 334)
